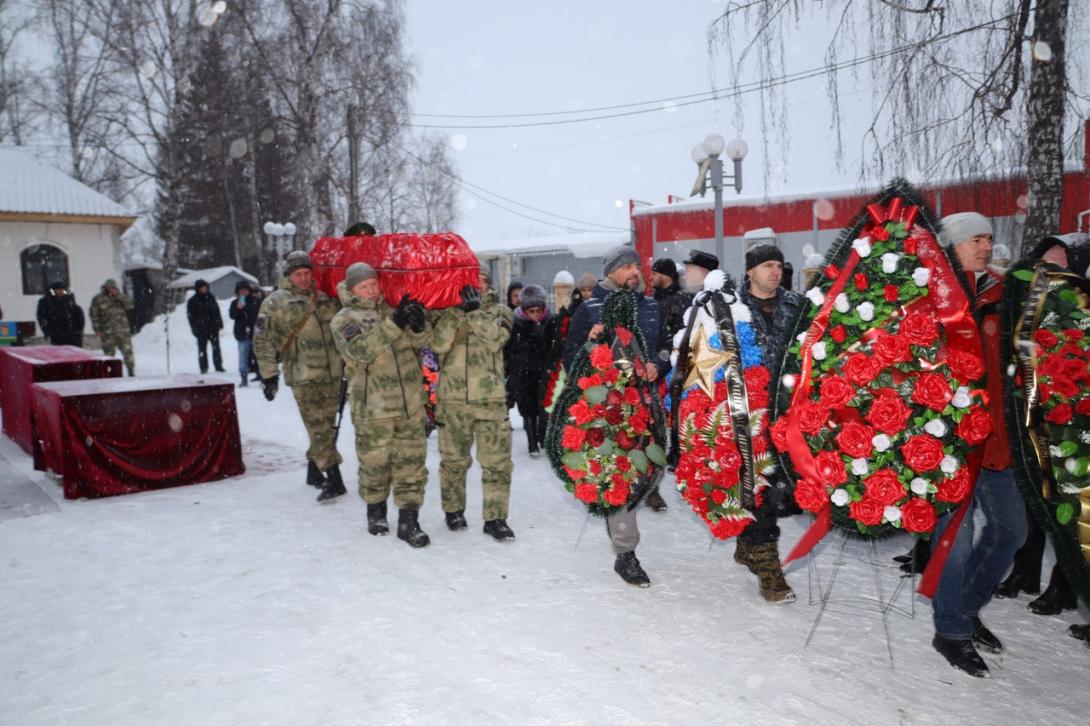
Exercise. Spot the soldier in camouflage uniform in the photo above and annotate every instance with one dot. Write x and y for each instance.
(110, 320)
(381, 347)
(293, 329)
(472, 402)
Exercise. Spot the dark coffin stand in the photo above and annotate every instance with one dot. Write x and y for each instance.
(111, 436)
(22, 367)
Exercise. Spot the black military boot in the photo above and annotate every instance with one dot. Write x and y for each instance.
(315, 478)
(408, 528)
(655, 501)
(1057, 598)
(628, 567)
(498, 530)
(334, 486)
(1082, 632)
(376, 519)
(962, 655)
(764, 561)
(456, 521)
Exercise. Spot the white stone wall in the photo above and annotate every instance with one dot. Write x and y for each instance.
(93, 256)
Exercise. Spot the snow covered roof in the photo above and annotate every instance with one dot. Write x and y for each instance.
(210, 275)
(583, 245)
(33, 191)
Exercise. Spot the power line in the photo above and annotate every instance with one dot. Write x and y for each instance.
(696, 98)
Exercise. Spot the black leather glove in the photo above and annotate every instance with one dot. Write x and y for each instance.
(471, 298)
(269, 387)
(418, 319)
(403, 313)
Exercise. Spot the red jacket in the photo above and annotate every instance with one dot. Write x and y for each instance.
(986, 295)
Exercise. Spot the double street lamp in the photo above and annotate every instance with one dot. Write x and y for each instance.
(279, 239)
(706, 156)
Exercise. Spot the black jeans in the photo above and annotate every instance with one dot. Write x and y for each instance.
(202, 351)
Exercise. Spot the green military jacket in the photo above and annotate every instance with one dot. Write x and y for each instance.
(110, 313)
(308, 357)
(383, 360)
(470, 351)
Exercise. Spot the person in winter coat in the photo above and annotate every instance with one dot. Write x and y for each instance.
(205, 322)
(110, 310)
(585, 287)
(469, 340)
(381, 347)
(621, 268)
(533, 340)
(292, 331)
(243, 311)
(975, 565)
(672, 300)
(513, 292)
(59, 317)
(563, 287)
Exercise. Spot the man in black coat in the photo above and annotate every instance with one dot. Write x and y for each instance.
(621, 268)
(59, 317)
(672, 300)
(203, 311)
(243, 311)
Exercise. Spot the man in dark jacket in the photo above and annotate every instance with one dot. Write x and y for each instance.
(533, 338)
(672, 300)
(771, 308)
(203, 311)
(60, 319)
(243, 311)
(621, 268)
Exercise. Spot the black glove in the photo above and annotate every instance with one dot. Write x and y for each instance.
(403, 312)
(471, 298)
(269, 387)
(418, 319)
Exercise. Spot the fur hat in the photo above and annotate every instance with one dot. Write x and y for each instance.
(619, 256)
(587, 280)
(357, 272)
(760, 254)
(533, 296)
(296, 260)
(564, 278)
(703, 259)
(956, 228)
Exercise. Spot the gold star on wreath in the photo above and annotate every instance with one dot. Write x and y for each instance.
(705, 362)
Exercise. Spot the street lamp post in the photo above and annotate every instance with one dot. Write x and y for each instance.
(706, 156)
(279, 240)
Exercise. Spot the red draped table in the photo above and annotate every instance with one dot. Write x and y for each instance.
(22, 367)
(119, 436)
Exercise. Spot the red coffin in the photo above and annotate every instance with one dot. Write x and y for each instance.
(432, 268)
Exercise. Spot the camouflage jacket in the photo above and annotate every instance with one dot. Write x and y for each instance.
(311, 356)
(383, 361)
(470, 350)
(110, 313)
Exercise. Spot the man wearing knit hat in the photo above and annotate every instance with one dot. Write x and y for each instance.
(292, 331)
(771, 308)
(381, 346)
(973, 570)
(621, 269)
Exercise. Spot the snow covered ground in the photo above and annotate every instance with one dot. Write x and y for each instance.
(245, 602)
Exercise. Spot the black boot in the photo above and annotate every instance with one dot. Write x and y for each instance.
(408, 528)
(962, 655)
(498, 530)
(1082, 632)
(1025, 574)
(376, 519)
(628, 567)
(1057, 598)
(530, 423)
(314, 476)
(655, 501)
(245, 382)
(456, 521)
(334, 486)
(917, 558)
(985, 638)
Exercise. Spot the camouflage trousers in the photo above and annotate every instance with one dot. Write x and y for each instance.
(392, 454)
(317, 404)
(458, 426)
(113, 342)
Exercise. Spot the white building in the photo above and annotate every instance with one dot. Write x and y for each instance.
(53, 227)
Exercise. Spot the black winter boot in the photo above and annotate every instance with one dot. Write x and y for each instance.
(408, 528)
(1082, 632)
(1057, 598)
(245, 382)
(917, 558)
(962, 655)
(376, 519)
(628, 567)
(315, 478)
(530, 423)
(985, 638)
(334, 486)
(456, 521)
(655, 501)
(498, 530)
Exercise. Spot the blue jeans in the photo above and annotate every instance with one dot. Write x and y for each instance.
(973, 570)
(244, 347)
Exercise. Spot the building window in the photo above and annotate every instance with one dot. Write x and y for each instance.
(42, 265)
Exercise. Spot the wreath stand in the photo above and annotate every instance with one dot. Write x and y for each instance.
(888, 589)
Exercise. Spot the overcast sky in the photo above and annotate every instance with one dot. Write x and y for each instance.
(498, 57)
